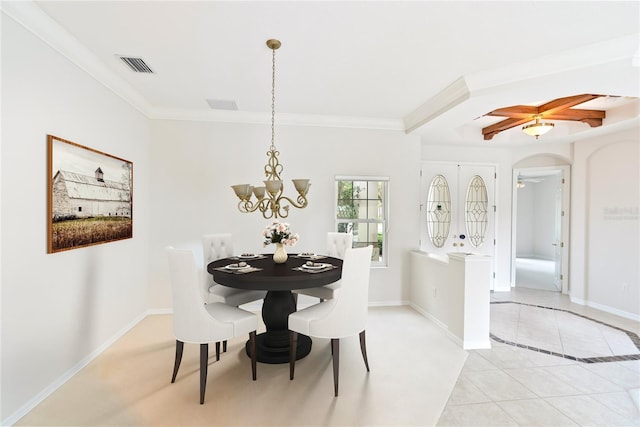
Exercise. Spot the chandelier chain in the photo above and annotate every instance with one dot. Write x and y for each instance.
(273, 99)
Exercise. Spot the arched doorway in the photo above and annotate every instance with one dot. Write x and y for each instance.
(540, 228)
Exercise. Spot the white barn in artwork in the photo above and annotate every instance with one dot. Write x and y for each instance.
(81, 196)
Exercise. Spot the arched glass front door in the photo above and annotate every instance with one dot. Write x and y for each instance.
(476, 211)
(438, 211)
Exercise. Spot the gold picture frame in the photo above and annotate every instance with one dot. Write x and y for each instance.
(90, 196)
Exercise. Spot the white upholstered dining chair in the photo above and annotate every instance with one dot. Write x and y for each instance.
(194, 322)
(340, 317)
(337, 245)
(215, 247)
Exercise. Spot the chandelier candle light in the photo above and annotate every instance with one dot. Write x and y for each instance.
(272, 206)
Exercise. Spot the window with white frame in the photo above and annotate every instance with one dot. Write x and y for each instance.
(362, 204)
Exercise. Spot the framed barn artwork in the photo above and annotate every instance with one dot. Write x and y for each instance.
(90, 196)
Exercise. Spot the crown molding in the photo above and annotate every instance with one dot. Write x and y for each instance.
(286, 119)
(35, 20)
(31, 17)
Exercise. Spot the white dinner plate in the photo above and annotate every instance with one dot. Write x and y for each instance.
(316, 266)
(236, 266)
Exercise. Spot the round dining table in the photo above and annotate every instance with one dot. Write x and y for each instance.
(278, 280)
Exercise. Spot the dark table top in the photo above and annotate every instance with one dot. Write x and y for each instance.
(275, 277)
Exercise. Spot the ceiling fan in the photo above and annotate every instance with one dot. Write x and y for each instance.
(557, 109)
(530, 179)
(522, 180)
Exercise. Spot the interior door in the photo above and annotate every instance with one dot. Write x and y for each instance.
(466, 221)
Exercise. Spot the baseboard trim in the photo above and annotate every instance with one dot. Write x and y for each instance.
(47, 391)
(605, 308)
(430, 317)
(158, 311)
(388, 303)
(469, 345)
(477, 345)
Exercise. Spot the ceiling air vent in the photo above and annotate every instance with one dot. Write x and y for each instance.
(136, 64)
(222, 104)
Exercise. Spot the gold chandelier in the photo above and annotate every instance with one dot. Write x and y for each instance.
(538, 128)
(274, 205)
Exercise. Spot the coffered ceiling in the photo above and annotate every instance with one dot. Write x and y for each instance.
(433, 69)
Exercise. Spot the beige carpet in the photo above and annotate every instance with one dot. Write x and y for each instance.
(414, 367)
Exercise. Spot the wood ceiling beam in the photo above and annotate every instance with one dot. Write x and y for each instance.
(591, 117)
(515, 112)
(564, 103)
(558, 109)
(490, 131)
(576, 114)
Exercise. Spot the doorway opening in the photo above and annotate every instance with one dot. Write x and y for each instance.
(540, 228)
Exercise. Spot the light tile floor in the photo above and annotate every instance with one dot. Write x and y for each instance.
(535, 273)
(553, 367)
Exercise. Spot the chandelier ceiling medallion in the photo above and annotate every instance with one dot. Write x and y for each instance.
(275, 204)
(558, 109)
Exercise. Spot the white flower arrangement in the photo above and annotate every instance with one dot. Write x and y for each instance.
(279, 232)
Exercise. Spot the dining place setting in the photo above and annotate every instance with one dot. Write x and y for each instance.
(315, 267)
(242, 265)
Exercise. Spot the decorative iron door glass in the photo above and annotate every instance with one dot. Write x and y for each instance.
(90, 196)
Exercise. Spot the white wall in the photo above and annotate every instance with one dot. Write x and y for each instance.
(524, 232)
(194, 163)
(536, 225)
(536, 218)
(59, 308)
(544, 223)
(612, 278)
